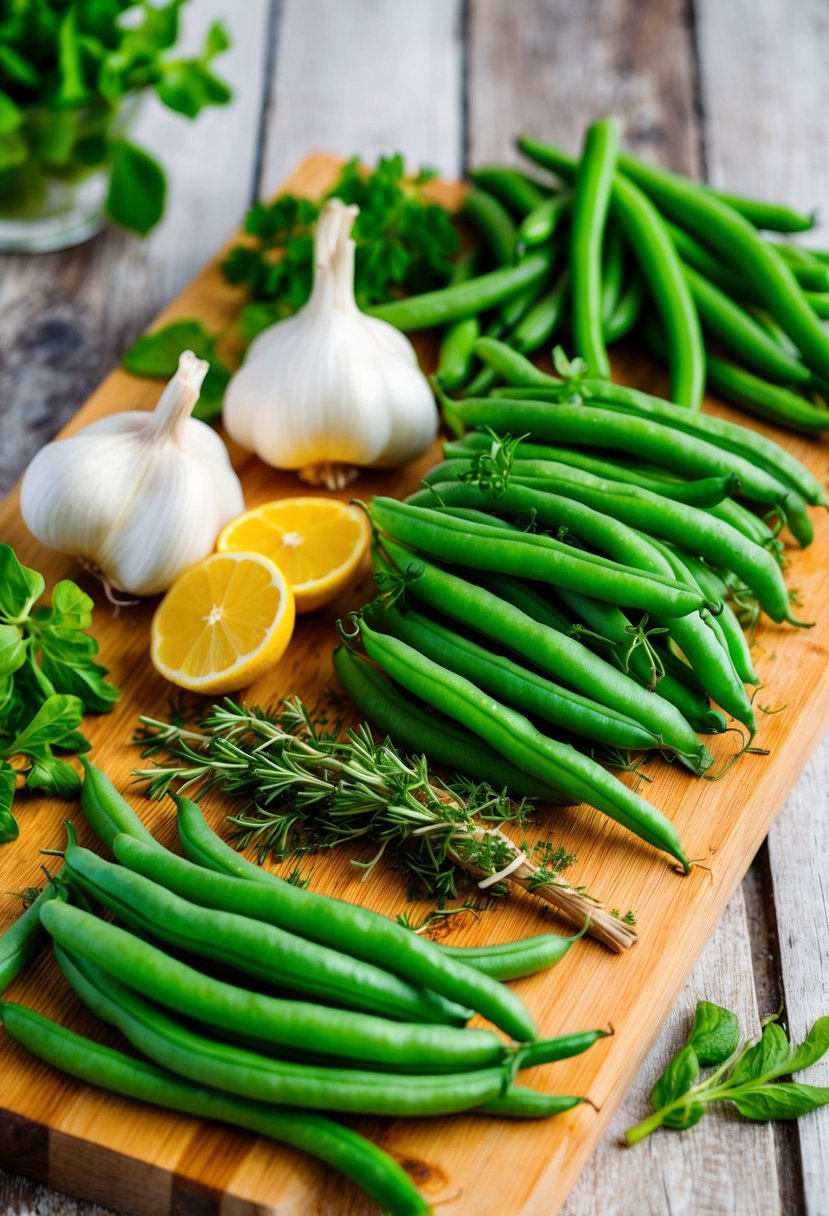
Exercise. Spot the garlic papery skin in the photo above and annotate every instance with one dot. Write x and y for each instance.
(331, 390)
(136, 497)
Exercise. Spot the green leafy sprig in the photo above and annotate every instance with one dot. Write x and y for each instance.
(306, 788)
(49, 678)
(747, 1075)
(66, 67)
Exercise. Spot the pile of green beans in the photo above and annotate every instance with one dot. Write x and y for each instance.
(352, 1013)
(632, 248)
(563, 595)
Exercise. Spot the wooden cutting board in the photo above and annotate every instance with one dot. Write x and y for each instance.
(136, 1159)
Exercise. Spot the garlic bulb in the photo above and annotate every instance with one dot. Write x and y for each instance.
(137, 497)
(331, 388)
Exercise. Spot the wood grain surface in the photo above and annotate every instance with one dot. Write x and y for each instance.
(72, 1136)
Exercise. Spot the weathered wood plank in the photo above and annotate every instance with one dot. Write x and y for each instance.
(66, 317)
(695, 1173)
(765, 97)
(366, 77)
(548, 67)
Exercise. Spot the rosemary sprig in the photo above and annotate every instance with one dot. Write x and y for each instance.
(307, 787)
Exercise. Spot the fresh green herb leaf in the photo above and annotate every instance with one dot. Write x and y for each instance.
(157, 354)
(56, 717)
(813, 1047)
(764, 1057)
(716, 1034)
(12, 650)
(677, 1078)
(137, 188)
(9, 828)
(19, 586)
(785, 1100)
(52, 775)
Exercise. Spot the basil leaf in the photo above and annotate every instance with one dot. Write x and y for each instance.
(677, 1078)
(11, 116)
(19, 586)
(813, 1047)
(87, 682)
(157, 354)
(12, 650)
(56, 717)
(71, 607)
(786, 1100)
(73, 742)
(52, 775)
(771, 1052)
(137, 188)
(9, 828)
(685, 1116)
(72, 89)
(188, 86)
(716, 1033)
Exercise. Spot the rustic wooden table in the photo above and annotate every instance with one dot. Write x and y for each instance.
(732, 90)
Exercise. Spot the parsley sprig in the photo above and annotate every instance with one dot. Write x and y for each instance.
(49, 678)
(747, 1075)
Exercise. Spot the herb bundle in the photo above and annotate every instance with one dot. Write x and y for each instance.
(747, 1075)
(306, 788)
(66, 66)
(48, 679)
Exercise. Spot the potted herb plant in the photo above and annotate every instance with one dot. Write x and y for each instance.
(72, 76)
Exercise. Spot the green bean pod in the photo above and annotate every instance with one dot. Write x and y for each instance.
(369, 937)
(562, 657)
(519, 687)
(344, 1150)
(735, 638)
(543, 318)
(521, 193)
(594, 185)
(170, 1044)
(537, 227)
(106, 812)
(432, 735)
(493, 223)
(483, 547)
(267, 952)
(271, 1020)
(627, 311)
(22, 941)
(521, 1103)
(464, 299)
(514, 960)
(458, 340)
(764, 400)
(513, 735)
(695, 254)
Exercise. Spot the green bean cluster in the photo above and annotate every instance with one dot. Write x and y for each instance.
(350, 1012)
(631, 247)
(571, 597)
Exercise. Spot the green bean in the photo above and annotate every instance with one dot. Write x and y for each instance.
(170, 1044)
(369, 937)
(510, 363)
(22, 941)
(458, 339)
(483, 547)
(594, 185)
(493, 223)
(514, 309)
(772, 216)
(106, 812)
(338, 1146)
(514, 960)
(613, 265)
(514, 736)
(808, 270)
(537, 227)
(696, 530)
(694, 253)
(481, 383)
(645, 233)
(521, 1103)
(521, 193)
(678, 686)
(542, 319)
(627, 311)
(267, 952)
(737, 330)
(517, 686)
(735, 639)
(562, 657)
(682, 450)
(548, 1051)
(464, 299)
(735, 239)
(764, 400)
(271, 1020)
(429, 734)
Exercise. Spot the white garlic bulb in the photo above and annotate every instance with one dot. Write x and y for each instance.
(137, 497)
(331, 389)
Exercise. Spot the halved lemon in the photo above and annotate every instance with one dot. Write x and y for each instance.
(316, 542)
(223, 623)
